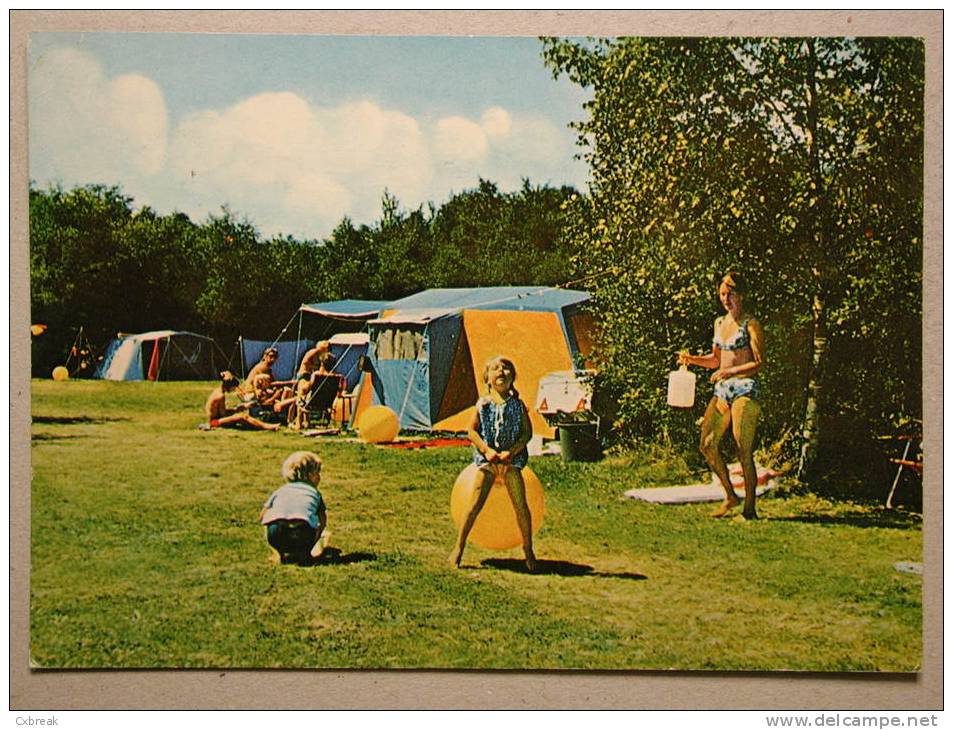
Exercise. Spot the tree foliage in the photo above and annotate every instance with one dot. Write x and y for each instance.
(98, 263)
(797, 161)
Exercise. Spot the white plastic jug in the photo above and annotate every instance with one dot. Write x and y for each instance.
(681, 388)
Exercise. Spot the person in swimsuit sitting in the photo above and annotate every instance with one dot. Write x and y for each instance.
(313, 358)
(220, 416)
(268, 359)
(271, 400)
(737, 356)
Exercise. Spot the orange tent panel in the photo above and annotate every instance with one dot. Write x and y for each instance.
(534, 341)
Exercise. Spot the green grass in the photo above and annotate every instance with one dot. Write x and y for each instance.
(146, 553)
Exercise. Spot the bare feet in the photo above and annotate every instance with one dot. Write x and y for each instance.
(725, 507)
(455, 557)
(318, 550)
(532, 565)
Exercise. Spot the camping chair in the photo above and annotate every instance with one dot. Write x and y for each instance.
(318, 403)
(912, 461)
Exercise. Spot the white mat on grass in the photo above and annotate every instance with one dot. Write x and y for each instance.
(710, 492)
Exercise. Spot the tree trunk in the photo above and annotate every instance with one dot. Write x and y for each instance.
(811, 430)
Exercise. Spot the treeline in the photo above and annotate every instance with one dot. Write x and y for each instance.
(99, 262)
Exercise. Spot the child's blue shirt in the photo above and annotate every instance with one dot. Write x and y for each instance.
(293, 501)
(500, 425)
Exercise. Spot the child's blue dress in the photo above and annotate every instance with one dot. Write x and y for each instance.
(499, 426)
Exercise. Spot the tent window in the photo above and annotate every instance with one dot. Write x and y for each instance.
(399, 344)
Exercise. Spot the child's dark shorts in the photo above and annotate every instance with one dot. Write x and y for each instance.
(291, 537)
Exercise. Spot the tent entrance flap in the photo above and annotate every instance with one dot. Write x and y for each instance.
(411, 357)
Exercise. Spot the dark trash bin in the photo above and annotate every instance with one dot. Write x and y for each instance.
(579, 442)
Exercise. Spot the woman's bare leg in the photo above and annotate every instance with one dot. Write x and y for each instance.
(479, 491)
(513, 478)
(745, 413)
(715, 423)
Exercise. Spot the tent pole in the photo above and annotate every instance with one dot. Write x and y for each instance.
(76, 344)
(298, 340)
(168, 343)
(228, 358)
(284, 329)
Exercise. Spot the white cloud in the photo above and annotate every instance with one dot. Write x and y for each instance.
(299, 169)
(88, 129)
(459, 140)
(285, 163)
(496, 122)
(137, 114)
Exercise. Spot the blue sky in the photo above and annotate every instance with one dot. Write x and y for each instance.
(296, 132)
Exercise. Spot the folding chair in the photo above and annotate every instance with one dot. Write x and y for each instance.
(318, 404)
(915, 464)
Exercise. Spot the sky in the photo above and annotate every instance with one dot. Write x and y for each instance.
(296, 132)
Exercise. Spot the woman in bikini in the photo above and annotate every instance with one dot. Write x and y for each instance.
(737, 356)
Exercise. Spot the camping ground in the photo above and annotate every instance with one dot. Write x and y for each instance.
(146, 553)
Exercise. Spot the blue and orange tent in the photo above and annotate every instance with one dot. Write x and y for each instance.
(427, 351)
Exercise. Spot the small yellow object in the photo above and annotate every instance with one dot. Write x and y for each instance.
(496, 527)
(378, 425)
(60, 373)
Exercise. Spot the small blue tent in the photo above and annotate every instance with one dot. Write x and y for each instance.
(159, 355)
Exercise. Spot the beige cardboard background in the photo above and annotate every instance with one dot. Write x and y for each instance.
(225, 689)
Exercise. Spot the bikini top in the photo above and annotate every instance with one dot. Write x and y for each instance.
(738, 341)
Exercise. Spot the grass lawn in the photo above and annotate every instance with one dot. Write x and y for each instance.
(146, 553)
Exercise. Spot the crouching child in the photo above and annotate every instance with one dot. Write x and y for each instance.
(294, 515)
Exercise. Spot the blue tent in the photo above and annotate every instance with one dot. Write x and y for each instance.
(159, 355)
(289, 355)
(316, 322)
(428, 350)
(323, 320)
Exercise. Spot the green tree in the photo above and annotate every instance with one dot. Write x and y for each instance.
(709, 154)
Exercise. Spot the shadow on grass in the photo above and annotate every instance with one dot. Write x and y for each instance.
(556, 567)
(70, 420)
(54, 437)
(334, 556)
(882, 518)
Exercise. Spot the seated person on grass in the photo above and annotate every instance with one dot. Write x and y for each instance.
(294, 515)
(271, 400)
(312, 358)
(220, 416)
(306, 383)
(268, 358)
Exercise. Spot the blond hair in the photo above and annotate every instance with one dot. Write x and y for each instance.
(506, 361)
(302, 466)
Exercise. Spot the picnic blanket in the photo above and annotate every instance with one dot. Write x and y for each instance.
(429, 443)
(705, 492)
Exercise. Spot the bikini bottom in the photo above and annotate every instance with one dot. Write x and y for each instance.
(730, 389)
